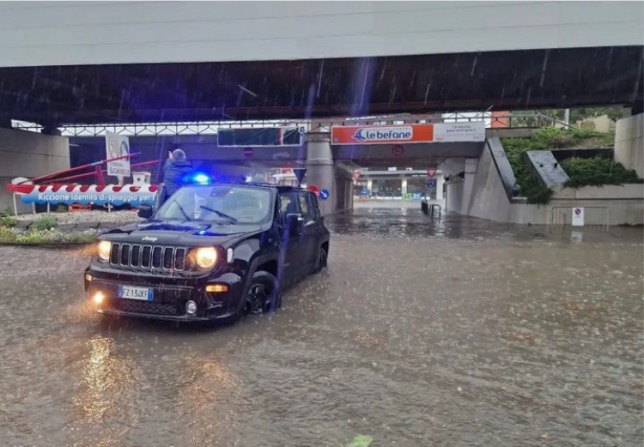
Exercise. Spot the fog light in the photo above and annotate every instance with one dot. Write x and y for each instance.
(98, 297)
(217, 288)
(191, 307)
(88, 277)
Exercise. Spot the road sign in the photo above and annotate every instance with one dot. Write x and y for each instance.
(577, 217)
(431, 183)
(324, 194)
(249, 152)
(364, 192)
(397, 150)
(117, 146)
(299, 174)
(314, 189)
(431, 172)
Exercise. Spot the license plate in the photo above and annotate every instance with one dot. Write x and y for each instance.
(135, 293)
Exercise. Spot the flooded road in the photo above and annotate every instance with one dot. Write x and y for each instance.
(452, 332)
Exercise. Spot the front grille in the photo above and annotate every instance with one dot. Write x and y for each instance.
(151, 258)
(143, 307)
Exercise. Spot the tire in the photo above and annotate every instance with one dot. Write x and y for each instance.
(322, 260)
(263, 295)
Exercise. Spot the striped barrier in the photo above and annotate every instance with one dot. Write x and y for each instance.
(134, 195)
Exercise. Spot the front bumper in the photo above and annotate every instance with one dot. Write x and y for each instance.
(169, 299)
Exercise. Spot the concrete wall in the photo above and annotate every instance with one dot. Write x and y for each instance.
(629, 143)
(29, 154)
(77, 33)
(614, 205)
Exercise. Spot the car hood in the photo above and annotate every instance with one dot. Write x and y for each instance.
(187, 233)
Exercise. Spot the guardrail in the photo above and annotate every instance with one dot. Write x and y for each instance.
(510, 120)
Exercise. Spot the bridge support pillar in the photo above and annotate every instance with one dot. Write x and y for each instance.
(461, 173)
(629, 143)
(320, 168)
(29, 154)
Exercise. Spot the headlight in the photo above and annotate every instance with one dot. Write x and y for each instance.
(104, 250)
(206, 257)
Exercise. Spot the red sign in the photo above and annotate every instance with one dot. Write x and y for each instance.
(397, 150)
(431, 172)
(404, 133)
(314, 189)
(248, 152)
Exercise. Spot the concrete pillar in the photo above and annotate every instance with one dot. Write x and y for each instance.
(629, 143)
(471, 165)
(29, 154)
(403, 187)
(440, 184)
(320, 169)
(370, 185)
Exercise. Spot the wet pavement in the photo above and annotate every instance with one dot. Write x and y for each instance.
(422, 332)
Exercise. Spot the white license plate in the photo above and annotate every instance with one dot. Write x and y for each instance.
(135, 293)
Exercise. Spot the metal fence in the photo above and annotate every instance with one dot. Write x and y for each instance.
(512, 120)
(598, 217)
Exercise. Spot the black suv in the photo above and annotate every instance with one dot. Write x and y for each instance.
(213, 252)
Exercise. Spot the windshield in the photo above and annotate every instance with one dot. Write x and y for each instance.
(218, 203)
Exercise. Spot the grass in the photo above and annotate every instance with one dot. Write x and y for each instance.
(44, 223)
(8, 222)
(553, 138)
(44, 237)
(597, 171)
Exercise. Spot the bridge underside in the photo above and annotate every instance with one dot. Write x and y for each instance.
(322, 87)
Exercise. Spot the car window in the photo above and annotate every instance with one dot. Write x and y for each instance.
(246, 205)
(313, 205)
(305, 208)
(288, 205)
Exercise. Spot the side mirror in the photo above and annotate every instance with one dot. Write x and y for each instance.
(294, 223)
(145, 212)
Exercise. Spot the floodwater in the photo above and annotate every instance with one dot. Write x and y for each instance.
(422, 332)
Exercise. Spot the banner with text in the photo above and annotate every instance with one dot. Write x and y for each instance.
(409, 133)
(406, 133)
(459, 132)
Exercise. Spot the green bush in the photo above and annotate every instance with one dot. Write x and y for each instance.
(8, 222)
(547, 138)
(61, 209)
(597, 171)
(44, 223)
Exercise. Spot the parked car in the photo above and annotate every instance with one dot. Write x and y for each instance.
(213, 252)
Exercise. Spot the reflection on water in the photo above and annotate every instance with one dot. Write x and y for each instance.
(101, 400)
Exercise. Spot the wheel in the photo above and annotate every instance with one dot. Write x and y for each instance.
(263, 294)
(322, 260)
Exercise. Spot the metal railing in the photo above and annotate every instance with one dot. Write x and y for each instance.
(509, 120)
(597, 215)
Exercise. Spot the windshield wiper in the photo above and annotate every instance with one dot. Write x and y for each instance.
(230, 219)
(184, 213)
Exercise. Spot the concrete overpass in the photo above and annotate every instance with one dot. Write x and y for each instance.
(73, 62)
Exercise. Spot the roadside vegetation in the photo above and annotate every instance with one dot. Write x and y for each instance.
(42, 232)
(596, 171)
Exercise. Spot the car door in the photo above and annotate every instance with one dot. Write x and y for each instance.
(290, 257)
(309, 240)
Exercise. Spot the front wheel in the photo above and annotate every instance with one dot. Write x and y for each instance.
(322, 260)
(263, 294)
